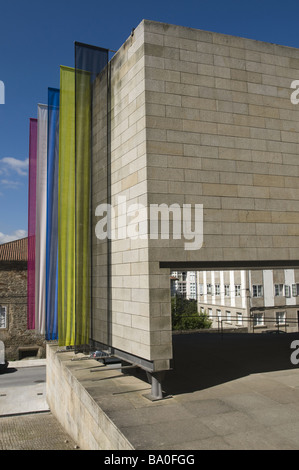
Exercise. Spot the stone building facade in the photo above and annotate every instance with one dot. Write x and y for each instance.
(223, 296)
(184, 283)
(259, 300)
(18, 340)
(274, 299)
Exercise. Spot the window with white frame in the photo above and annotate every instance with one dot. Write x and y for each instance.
(3, 316)
(209, 289)
(192, 293)
(217, 289)
(257, 290)
(295, 290)
(239, 318)
(218, 312)
(258, 319)
(182, 288)
(237, 290)
(210, 312)
(278, 289)
(226, 290)
(228, 316)
(280, 318)
(287, 291)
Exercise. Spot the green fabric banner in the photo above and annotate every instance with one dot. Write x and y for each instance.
(74, 195)
(74, 208)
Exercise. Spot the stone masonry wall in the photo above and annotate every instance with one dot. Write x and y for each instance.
(195, 118)
(222, 132)
(13, 295)
(121, 321)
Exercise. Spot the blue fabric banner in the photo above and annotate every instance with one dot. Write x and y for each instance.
(52, 215)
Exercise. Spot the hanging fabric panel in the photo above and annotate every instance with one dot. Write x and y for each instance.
(41, 218)
(82, 207)
(66, 209)
(89, 62)
(52, 215)
(31, 224)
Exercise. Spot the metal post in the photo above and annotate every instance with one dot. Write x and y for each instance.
(155, 379)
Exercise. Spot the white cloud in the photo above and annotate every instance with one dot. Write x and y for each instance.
(10, 183)
(16, 235)
(19, 166)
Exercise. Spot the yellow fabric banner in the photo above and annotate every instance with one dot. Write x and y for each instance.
(66, 209)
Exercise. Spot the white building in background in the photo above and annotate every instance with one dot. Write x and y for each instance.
(191, 290)
(223, 297)
(260, 300)
(184, 283)
(274, 299)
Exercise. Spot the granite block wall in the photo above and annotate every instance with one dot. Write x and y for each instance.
(192, 117)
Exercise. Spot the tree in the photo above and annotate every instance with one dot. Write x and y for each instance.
(185, 315)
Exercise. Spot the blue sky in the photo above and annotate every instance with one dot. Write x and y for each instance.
(38, 36)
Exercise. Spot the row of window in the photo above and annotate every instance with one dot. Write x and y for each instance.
(257, 290)
(238, 318)
(279, 290)
(258, 318)
(216, 291)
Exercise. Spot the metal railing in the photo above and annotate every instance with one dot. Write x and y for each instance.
(269, 324)
(250, 323)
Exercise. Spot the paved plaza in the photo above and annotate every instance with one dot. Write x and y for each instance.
(236, 391)
(230, 391)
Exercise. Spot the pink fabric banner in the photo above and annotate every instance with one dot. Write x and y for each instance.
(31, 225)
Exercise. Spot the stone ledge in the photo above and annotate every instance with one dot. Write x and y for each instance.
(75, 408)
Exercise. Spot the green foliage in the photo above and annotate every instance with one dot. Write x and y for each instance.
(185, 315)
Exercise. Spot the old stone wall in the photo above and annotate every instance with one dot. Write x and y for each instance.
(18, 340)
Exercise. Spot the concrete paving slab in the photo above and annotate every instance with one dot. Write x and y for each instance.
(27, 363)
(150, 416)
(29, 399)
(249, 401)
(18, 396)
(288, 434)
(256, 439)
(273, 415)
(209, 407)
(167, 434)
(223, 424)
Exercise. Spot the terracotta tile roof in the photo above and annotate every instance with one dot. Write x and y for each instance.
(14, 251)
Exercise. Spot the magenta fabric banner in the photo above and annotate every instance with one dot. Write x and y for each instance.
(31, 225)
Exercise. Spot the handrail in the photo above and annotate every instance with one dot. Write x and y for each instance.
(281, 326)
